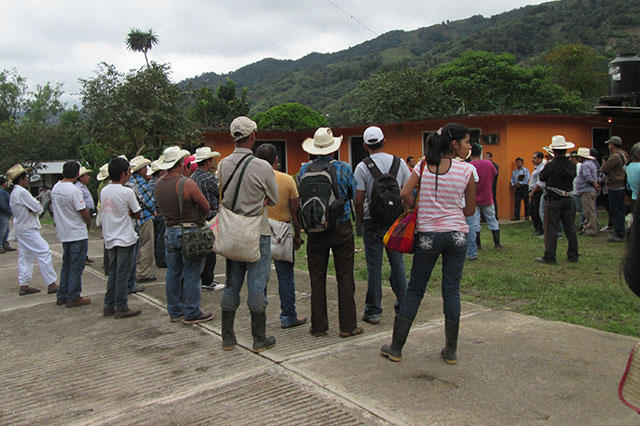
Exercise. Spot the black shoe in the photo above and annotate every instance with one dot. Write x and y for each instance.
(107, 312)
(8, 248)
(371, 319)
(547, 261)
(148, 279)
(136, 289)
(200, 318)
(126, 314)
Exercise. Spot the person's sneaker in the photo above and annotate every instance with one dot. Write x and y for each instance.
(136, 289)
(218, 286)
(80, 301)
(146, 279)
(8, 248)
(52, 288)
(297, 322)
(176, 319)
(547, 261)
(88, 260)
(200, 318)
(25, 289)
(614, 239)
(605, 228)
(126, 314)
(371, 319)
(107, 312)
(60, 302)
(215, 285)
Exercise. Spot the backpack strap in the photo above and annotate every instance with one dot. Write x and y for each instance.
(395, 167)
(235, 195)
(334, 178)
(373, 168)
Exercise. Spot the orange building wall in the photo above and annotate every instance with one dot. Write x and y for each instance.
(519, 136)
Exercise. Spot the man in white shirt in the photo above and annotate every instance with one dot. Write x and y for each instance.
(72, 221)
(31, 245)
(81, 183)
(373, 230)
(119, 210)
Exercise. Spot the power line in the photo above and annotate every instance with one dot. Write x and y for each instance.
(352, 17)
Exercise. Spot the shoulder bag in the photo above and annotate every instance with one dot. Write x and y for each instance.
(400, 236)
(281, 240)
(198, 243)
(237, 237)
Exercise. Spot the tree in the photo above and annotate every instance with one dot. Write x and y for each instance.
(141, 111)
(216, 111)
(578, 69)
(290, 116)
(141, 41)
(13, 89)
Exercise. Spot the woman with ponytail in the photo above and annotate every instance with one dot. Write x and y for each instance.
(447, 196)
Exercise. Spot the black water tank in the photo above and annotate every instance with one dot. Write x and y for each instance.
(624, 74)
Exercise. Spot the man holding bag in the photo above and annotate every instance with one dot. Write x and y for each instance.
(283, 241)
(248, 184)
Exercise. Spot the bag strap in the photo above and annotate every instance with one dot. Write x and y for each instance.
(423, 163)
(235, 195)
(395, 167)
(180, 192)
(373, 168)
(224, 188)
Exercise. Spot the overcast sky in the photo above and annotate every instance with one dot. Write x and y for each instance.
(63, 40)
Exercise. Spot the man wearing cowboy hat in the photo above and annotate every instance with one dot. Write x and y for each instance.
(72, 220)
(5, 216)
(615, 181)
(337, 238)
(183, 274)
(587, 189)
(258, 188)
(81, 183)
(158, 221)
(31, 245)
(145, 251)
(208, 184)
(558, 176)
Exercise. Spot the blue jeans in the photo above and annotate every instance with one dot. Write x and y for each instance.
(183, 277)
(616, 211)
(577, 202)
(258, 274)
(490, 215)
(428, 247)
(131, 284)
(121, 262)
(74, 254)
(373, 249)
(474, 228)
(287, 292)
(4, 230)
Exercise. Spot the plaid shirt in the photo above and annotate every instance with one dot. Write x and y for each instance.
(145, 197)
(152, 189)
(346, 182)
(208, 184)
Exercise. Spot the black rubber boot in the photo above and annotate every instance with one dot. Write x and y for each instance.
(401, 328)
(448, 353)
(261, 341)
(496, 238)
(228, 335)
(478, 240)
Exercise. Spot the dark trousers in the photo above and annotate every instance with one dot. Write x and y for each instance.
(616, 211)
(560, 210)
(521, 194)
(207, 275)
(535, 212)
(340, 240)
(158, 242)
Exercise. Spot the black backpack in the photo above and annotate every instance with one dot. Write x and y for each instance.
(385, 204)
(321, 206)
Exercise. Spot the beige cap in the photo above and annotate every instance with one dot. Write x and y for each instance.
(241, 127)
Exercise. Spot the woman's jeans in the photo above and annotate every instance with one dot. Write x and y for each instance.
(428, 247)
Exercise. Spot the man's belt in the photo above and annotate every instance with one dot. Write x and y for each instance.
(559, 192)
(186, 225)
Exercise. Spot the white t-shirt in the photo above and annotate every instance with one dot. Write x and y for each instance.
(25, 209)
(365, 180)
(67, 202)
(118, 228)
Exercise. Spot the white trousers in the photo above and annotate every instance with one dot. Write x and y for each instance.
(32, 246)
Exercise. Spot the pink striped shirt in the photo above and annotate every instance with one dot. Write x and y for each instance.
(441, 211)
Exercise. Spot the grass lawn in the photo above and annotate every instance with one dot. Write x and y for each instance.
(589, 293)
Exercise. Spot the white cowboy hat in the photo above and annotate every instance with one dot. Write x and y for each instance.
(585, 153)
(171, 156)
(322, 143)
(155, 165)
(103, 173)
(16, 171)
(83, 171)
(204, 153)
(138, 163)
(559, 142)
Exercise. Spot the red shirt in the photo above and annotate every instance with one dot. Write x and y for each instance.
(486, 173)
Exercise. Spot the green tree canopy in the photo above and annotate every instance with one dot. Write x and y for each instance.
(141, 41)
(578, 69)
(290, 116)
(216, 110)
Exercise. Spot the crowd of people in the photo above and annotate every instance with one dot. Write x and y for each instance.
(145, 208)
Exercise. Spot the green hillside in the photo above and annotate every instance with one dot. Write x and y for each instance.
(322, 81)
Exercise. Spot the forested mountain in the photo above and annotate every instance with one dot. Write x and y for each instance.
(322, 81)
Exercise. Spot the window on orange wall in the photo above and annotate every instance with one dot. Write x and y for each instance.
(357, 153)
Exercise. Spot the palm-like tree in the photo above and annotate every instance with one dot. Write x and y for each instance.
(141, 41)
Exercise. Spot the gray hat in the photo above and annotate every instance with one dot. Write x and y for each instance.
(241, 127)
(615, 140)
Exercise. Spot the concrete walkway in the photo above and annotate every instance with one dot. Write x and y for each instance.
(72, 366)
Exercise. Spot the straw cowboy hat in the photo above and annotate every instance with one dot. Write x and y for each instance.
(83, 171)
(559, 142)
(204, 153)
(585, 153)
(322, 143)
(16, 171)
(155, 165)
(171, 156)
(103, 173)
(138, 163)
